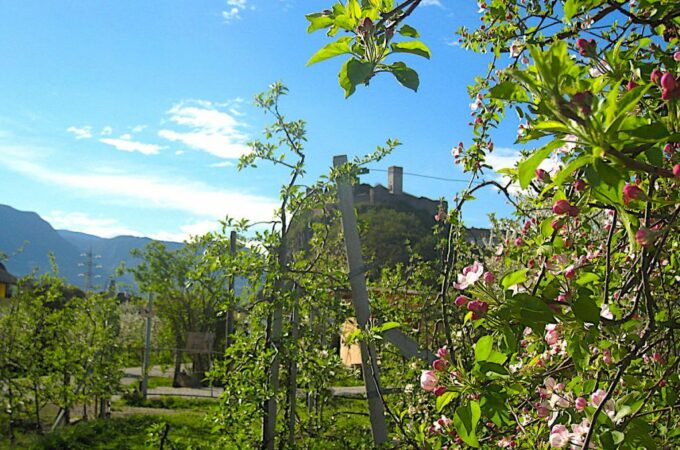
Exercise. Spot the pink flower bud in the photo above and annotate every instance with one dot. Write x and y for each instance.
(668, 149)
(561, 207)
(488, 277)
(585, 46)
(607, 356)
(597, 397)
(580, 403)
(676, 171)
(439, 391)
(542, 175)
(669, 82)
(579, 185)
(631, 85)
(656, 76)
(646, 237)
(519, 242)
(632, 192)
(676, 56)
(461, 300)
(443, 352)
(428, 380)
(478, 308)
(570, 272)
(440, 365)
(574, 211)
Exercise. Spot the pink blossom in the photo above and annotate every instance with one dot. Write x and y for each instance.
(428, 380)
(519, 242)
(542, 175)
(606, 313)
(579, 185)
(505, 443)
(570, 272)
(607, 356)
(597, 397)
(656, 76)
(542, 410)
(559, 436)
(676, 171)
(439, 391)
(552, 335)
(580, 403)
(443, 352)
(676, 56)
(470, 276)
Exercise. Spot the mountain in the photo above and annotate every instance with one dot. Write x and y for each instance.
(27, 240)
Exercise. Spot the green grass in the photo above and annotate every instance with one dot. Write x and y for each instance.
(130, 432)
(169, 402)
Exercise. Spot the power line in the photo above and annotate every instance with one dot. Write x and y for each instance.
(454, 180)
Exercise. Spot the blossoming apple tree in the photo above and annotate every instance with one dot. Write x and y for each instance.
(565, 334)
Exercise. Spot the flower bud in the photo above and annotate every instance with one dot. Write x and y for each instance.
(580, 403)
(655, 77)
(579, 185)
(428, 380)
(461, 300)
(488, 277)
(631, 85)
(676, 171)
(439, 391)
(561, 207)
(632, 192)
(440, 365)
(542, 175)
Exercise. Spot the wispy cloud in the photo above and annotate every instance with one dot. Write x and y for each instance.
(431, 3)
(144, 191)
(126, 145)
(504, 158)
(223, 164)
(211, 129)
(188, 230)
(234, 8)
(98, 226)
(81, 132)
(106, 131)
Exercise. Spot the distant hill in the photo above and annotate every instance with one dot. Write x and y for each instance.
(35, 237)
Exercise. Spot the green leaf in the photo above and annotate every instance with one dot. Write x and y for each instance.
(413, 47)
(570, 168)
(408, 31)
(584, 307)
(352, 73)
(339, 47)
(570, 9)
(387, 326)
(445, 399)
(587, 278)
(405, 75)
(317, 21)
(509, 90)
(483, 348)
(514, 278)
(527, 168)
(465, 420)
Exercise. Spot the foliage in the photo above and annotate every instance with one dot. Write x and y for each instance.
(570, 339)
(58, 346)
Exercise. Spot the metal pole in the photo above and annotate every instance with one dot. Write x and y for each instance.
(147, 347)
(362, 310)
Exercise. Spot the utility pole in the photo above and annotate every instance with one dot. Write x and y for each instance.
(147, 346)
(89, 266)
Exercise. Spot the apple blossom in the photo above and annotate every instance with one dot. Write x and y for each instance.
(470, 276)
(428, 380)
(559, 436)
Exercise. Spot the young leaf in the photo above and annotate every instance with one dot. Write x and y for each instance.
(317, 21)
(465, 420)
(527, 168)
(352, 73)
(339, 47)
(405, 75)
(414, 47)
(483, 348)
(408, 31)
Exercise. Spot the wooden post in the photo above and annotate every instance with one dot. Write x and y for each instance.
(230, 311)
(362, 310)
(147, 347)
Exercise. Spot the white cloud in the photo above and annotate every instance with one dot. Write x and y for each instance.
(98, 226)
(144, 191)
(106, 131)
(431, 3)
(223, 164)
(124, 144)
(81, 132)
(188, 231)
(210, 129)
(234, 10)
(504, 158)
(138, 128)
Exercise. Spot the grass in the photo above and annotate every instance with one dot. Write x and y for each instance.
(169, 402)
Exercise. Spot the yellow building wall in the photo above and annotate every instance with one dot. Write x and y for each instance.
(3, 290)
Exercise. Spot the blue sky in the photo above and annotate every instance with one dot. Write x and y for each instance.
(127, 117)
